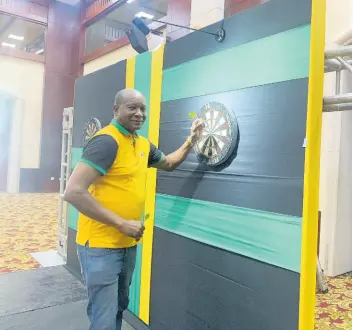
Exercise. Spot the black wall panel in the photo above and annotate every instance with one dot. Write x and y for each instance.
(199, 287)
(267, 170)
(94, 97)
(72, 262)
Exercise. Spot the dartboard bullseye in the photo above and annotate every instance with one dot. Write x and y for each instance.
(219, 136)
(92, 126)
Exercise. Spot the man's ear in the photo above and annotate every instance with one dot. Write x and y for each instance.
(116, 108)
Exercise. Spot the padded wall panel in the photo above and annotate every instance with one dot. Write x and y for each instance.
(94, 97)
(268, 166)
(269, 237)
(217, 286)
(284, 56)
(259, 22)
(196, 286)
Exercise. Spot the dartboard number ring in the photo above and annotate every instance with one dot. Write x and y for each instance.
(92, 126)
(220, 135)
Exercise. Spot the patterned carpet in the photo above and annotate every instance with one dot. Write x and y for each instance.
(28, 224)
(334, 309)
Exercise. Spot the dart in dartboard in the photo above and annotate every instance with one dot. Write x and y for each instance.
(219, 136)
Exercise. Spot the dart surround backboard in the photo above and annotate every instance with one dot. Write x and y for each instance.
(220, 135)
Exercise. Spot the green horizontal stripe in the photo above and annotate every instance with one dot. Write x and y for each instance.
(269, 237)
(277, 58)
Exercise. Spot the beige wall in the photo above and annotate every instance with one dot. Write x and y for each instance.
(24, 80)
(204, 13)
(111, 58)
(108, 59)
(338, 18)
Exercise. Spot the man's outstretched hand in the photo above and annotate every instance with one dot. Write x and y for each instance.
(196, 130)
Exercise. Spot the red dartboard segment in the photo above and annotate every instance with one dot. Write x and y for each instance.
(219, 136)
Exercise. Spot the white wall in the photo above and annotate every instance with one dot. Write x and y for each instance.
(13, 171)
(342, 247)
(336, 160)
(24, 79)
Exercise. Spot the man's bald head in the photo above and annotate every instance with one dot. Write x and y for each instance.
(126, 95)
(130, 109)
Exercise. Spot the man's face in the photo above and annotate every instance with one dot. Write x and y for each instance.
(131, 113)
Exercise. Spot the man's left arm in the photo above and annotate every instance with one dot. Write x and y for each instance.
(170, 162)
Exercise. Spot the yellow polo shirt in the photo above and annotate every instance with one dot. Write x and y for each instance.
(122, 185)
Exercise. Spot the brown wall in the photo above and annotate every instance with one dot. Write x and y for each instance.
(32, 10)
(61, 68)
(179, 12)
(232, 7)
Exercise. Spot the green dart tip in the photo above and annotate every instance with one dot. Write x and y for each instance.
(192, 115)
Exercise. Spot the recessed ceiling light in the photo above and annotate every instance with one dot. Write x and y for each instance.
(14, 36)
(142, 14)
(40, 51)
(6, 44)
(130, 1)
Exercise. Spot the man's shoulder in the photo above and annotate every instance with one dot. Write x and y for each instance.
(107, 130)
(102, 143)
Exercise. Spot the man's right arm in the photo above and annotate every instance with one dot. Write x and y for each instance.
(86, 173)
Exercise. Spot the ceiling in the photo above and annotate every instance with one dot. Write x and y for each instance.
(31, 32)
(159, 5)
(71, 2)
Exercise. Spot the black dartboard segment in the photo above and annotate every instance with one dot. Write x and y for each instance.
(92, 126)
(220, 134)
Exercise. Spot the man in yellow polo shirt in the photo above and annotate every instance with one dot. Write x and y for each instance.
(108, 189)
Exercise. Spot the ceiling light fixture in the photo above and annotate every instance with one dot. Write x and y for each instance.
(142, 14)
(16, 37)
(40, 51)
(130, 1)
(6, 44)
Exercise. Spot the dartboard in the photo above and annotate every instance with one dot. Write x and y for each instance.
(219, 136)
(92, 126)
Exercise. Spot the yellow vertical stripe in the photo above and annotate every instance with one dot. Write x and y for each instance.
(312, 168)
(153, 134)
(130, 72)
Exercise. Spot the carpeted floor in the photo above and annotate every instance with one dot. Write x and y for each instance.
(334, 309)
(29, 223)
